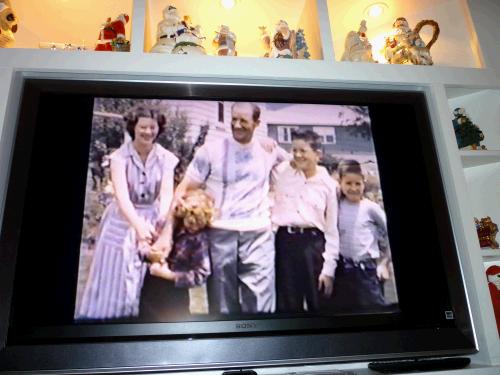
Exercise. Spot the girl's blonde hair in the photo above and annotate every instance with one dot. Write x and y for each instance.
(196, 208)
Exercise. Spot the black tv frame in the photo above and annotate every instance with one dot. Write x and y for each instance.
(238, 343)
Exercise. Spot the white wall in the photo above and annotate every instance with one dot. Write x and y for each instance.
(486, 17)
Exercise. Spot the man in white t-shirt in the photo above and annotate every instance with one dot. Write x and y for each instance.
(235, 171)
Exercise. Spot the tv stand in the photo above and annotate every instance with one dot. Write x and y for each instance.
(419, 364)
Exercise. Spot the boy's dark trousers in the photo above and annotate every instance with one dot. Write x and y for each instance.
(356, 288)
(299, 261)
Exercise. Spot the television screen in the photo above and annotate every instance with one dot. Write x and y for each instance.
(339, 222)
(228, 214)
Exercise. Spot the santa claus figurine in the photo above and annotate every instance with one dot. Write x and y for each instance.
(493, 274)
(8, 24)
(112, 32)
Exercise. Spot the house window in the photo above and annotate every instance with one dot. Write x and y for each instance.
(326, 133)
(285, 133)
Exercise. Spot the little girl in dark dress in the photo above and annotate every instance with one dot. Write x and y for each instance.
(165, 293)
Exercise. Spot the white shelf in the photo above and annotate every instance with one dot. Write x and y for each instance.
(490, 254)
(475, 158)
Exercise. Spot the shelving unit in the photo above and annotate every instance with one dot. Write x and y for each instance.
(490, 255)
(75, 22)
(467, 74)
(457, 43)
(477, 158)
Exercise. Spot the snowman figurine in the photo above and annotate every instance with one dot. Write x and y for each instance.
(168, 30)
(189, 40)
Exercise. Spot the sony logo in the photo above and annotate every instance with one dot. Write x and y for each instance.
(246, 325)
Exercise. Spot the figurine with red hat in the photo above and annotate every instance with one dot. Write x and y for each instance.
(112, 32)
(493, 275)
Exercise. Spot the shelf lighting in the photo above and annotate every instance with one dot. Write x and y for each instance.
(228, 4)
(375, 10)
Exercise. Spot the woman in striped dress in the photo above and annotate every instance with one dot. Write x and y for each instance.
(142, 174)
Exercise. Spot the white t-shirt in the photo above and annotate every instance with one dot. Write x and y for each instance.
(237, 176)
(361, 226)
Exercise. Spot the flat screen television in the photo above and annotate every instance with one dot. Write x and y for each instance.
(307, 225)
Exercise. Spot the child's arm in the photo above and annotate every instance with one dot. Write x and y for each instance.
(167, 188)
(383, 268)
(379, 218)
(331, 253)
(196, 174)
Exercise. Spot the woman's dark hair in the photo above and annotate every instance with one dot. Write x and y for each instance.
(349, 166)
(133, 117)
(312, 138)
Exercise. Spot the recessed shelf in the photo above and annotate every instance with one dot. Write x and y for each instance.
(488, 254)
(482, 107)
(244, 20)
(475, 158)
(75, 22)
(455, 45)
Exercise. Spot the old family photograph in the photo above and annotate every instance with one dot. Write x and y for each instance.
(208, 208)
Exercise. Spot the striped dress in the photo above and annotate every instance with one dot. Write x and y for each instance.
(117, 271)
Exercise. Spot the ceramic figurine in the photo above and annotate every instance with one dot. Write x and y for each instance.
(189, 40)
(8, 24)
(466, 132)
(406, 45)
(225, 41)
(486, 231)
(357, 46)
(493, 275)
(301, 45)
(112, 33)
(283, 43)
(286, 43)
(176, 35)
(169, 28)
(265, 40)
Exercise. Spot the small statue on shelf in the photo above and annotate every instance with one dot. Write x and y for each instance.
(284, 42)
(189, 39)
(466, 132)
(225, 41)
(176, 35)
(406, 45)
(112, 35)
(8, 24)
(169, 28)
(301, 45)
(265, 40)
(357, 46)
(486, 231)
(493, 275)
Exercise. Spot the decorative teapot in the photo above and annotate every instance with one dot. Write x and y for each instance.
(406, 45)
